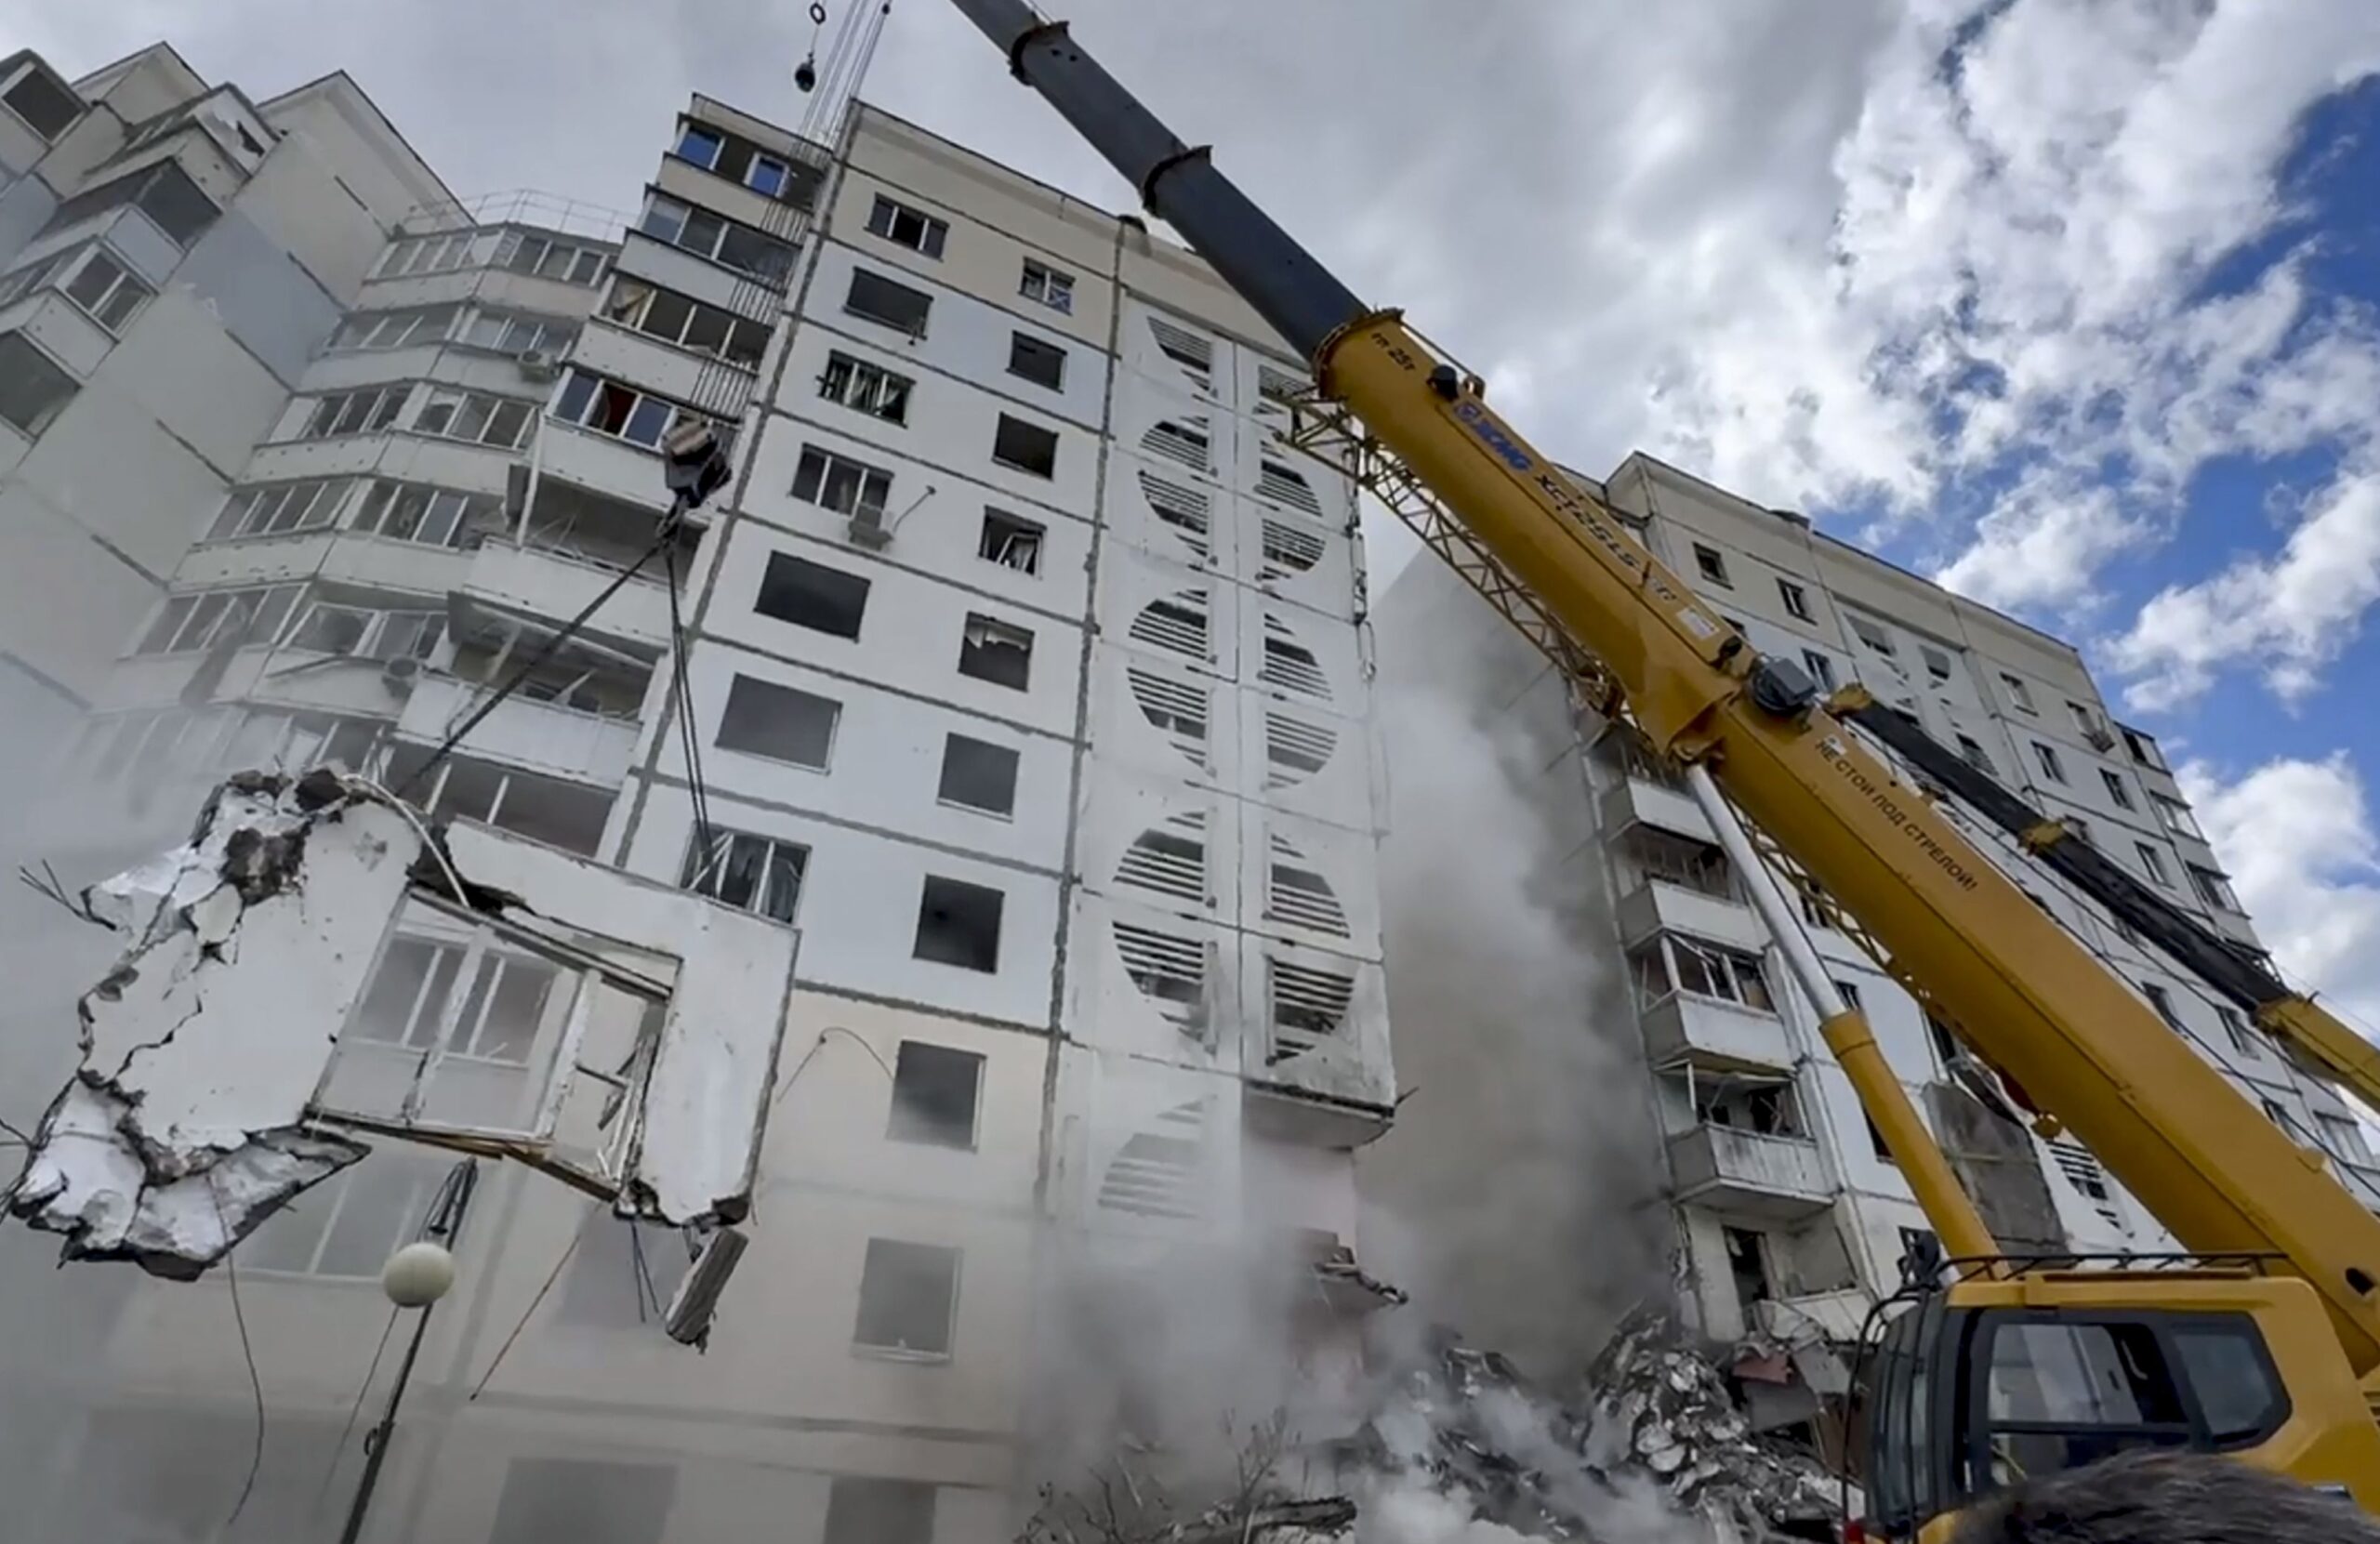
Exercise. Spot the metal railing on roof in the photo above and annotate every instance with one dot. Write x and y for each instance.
(528, 207)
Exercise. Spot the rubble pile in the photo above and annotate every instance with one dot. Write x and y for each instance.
(1654, 1417)
(1660, 1407)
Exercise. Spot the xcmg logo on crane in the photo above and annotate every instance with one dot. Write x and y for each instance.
(1475, 417)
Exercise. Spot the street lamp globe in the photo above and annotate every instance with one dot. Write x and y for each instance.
(417, 1275)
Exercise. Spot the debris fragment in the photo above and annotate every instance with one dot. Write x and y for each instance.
(184, 1124)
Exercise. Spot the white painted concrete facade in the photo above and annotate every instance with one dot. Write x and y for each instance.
(1127, 784)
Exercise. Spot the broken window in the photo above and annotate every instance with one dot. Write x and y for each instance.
(1747, 1265)
(995, 652)
(2142, 750)
(976, 776)
(1676, 860)
(193, 622)
(707, 235)
(2119, 792)
(674, 318)
(1764, 1108)
(908, 1294)
(1938, 664)
(2152, 862)
(2162, 1001)
(783, 724)
(1796, 599)
(869, 388)
(552, 1499)
(865, 1510)
(40, 103)
(873, 298)
(812, 595)
(2018, 693)
(608, 407)
(935, 1094)
(902, 225)
(547, 258)
(2342, 1138)
(1871, 633)
(279, 509)
(348, 1226)
(2212, 888)
(622, 1273)
(1712, 565)
(344, 413)
(835, 481)
(434, 517)
(1010, 541)
(2052, 765)
(958, 924)
(163, 190)
(1668, 962)
(1025, 447)
(1876, 1143)
(1042, 363)
(1971, 750)
(1048, 287)
(485, 420)
(757, 874)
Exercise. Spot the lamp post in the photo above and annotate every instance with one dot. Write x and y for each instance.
(414, 1277)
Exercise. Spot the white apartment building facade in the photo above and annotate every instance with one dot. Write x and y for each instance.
(1025, 679)
(1788, 1218)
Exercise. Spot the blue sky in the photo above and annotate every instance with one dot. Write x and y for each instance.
(2072, 303)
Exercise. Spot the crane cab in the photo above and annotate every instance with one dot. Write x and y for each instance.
(2015, 1370)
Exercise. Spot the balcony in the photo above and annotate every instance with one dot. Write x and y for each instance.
(1660, 907)
(599, 464)
(541, 737)
(1748, 1174)
(1635, 801)
(1683, 1030)
(551, 586)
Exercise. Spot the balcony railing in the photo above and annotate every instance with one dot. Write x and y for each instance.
(1749, 1173)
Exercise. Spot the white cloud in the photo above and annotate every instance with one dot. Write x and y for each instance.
(2298, 839)
(2287, 614)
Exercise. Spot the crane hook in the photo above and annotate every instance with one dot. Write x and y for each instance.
(805, 74)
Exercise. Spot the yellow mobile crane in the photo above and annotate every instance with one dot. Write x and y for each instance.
(2265, 1342)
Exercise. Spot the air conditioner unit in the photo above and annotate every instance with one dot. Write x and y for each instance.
(868, 529)
(535, 363)
(400, 673)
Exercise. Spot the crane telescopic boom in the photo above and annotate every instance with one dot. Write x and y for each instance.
(2023, 992)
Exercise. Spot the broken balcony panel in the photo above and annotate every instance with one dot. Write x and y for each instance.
(702, 1098)
(201, 1049)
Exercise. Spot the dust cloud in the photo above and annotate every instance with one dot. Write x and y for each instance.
(1518, 1196)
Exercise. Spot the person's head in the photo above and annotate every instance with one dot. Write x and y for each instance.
(2166, 1499)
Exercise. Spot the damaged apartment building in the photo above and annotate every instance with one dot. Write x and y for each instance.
(1782, 1218)
(1017, 671)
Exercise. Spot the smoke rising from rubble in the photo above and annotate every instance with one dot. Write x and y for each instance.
(1517, 1196)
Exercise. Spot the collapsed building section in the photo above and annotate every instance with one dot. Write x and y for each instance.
(315, 968)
